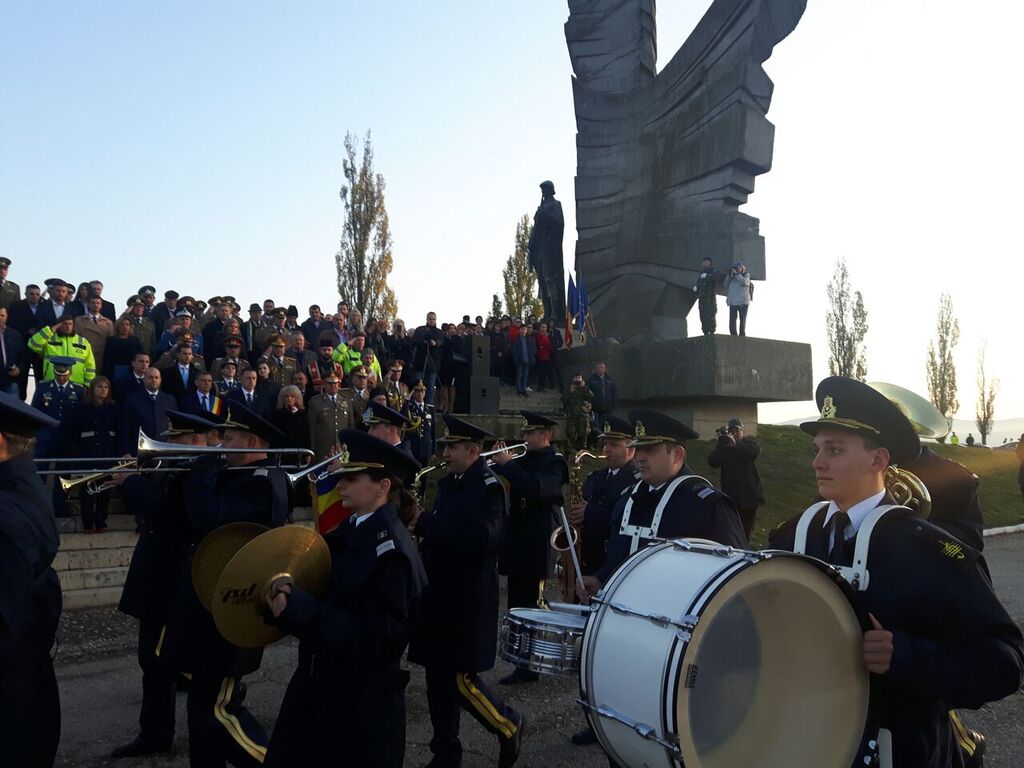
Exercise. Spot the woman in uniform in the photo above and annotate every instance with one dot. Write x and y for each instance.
(345, 704)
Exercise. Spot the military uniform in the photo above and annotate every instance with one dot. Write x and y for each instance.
(421, 439)
(57, 402)
(953, 643)
(345, 704)
(536, 489)
(602, 491)
(220, 727)
(143, 328)
(327, 417)
(95, 331)
(456, 635)
(10, 292)
(281, 368)
(241, 364)
(47, 343)
(30, 602)
(577, 402)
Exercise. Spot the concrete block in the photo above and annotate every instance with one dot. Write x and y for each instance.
(92, 578)
(76, 559)
(91, 598)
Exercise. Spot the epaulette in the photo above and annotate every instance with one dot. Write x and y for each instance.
(385, 543)
(491, 480)
(702, 488)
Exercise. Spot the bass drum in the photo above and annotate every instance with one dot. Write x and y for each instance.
(710, 657)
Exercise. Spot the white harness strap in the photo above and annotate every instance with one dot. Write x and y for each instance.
(637, 532)
(857, 574)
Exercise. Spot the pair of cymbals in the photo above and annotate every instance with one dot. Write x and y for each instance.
(245, 559)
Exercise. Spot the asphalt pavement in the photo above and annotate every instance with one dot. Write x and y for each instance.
(100, 695)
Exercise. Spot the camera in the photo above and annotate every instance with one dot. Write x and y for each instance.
(722, 431)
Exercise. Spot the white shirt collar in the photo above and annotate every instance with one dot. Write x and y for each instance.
(857, 512)
(654, 488)
(360, 519)
(613, 472)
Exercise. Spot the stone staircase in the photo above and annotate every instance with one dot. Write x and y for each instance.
(548, 402)
(92, 567)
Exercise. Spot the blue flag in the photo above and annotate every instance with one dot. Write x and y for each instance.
(571, 299)
(582, 305)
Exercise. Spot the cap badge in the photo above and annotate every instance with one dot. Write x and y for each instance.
(607, 427)
(828, 409)
(641, 430)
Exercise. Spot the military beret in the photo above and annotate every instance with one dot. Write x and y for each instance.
(651, 427)
(853, 406)
(20, 418)
(458, 430)
(536, 421)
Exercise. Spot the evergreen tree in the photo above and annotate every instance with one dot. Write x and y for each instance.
(940, 367)
(364, 259)
(847, 325)
(521, 297)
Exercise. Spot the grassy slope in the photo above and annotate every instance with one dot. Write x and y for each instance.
(785, 467)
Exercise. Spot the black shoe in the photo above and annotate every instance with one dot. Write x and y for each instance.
(977, 760)
(584, 737)
(510, 747)
(519, 676)
(141, 746)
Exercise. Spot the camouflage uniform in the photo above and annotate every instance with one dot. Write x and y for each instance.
(577, 401)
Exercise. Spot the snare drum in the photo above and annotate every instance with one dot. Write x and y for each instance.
(710, 657)
(542, 641)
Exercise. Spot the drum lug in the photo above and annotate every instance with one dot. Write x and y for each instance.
(684, 626)
(643, 730)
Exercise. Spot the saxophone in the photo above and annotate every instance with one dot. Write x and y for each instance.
(561, 540)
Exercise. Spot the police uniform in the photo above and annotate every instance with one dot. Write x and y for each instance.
(30, 601)
(345, 704)
(220, 728)
(420, 436)
(456, 632)
(602, 490)
(685, 506)
(48, 344)
(953, 643)
(10, 291)
(151, 587)
(536, 489)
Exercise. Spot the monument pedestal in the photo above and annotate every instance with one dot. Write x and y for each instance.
(703, 381)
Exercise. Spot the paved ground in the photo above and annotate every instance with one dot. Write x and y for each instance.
(100, 695)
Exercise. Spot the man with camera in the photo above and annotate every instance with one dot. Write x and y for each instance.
(735, 454)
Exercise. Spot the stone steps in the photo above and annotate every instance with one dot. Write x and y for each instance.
(92, 578)
(548, 402)
(91, 598)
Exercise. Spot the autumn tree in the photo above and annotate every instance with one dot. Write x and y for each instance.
(520, 282)
(940, 368)
(847, 325)
(364, 259)
(496, 306)
(986, 407)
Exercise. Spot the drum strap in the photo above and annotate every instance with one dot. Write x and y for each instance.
(638, 532)
(804, 525)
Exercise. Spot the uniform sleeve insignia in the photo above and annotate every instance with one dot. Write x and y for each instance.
(382, 535)
(952, 550)
(704, 493)
(828, 409)
(641, 430)
(490, 480)
(264, 472)
(386, 546)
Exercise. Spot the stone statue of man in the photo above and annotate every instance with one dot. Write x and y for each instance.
(546, 253)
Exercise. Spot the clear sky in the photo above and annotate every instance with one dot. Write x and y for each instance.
(197, 146)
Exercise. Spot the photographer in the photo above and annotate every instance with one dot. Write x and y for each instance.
(735, 455)
(577, 402)
(737, 296)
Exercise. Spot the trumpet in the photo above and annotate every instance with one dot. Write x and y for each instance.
(518, 451)
(315, 472)
(150, 448)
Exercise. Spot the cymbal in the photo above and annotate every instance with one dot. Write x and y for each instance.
(926, 419)
(238, 602)
(215, 551)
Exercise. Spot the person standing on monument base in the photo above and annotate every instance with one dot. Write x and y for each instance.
(706, 289)
(606, 394)
(738, 293)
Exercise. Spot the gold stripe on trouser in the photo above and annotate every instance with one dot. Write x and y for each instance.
(962, 734)
(160, 640)
(483, 705)
(541, 602)
(230, 722)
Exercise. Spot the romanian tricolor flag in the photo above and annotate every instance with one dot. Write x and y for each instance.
(217, 407)
(328, 508)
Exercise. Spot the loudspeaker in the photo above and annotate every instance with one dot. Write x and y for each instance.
(484, 394)
(481, 356)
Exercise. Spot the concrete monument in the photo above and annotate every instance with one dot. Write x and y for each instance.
(664, 160)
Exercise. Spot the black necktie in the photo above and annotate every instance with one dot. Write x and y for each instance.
(248, 399)
(837, 528)
(206, 405)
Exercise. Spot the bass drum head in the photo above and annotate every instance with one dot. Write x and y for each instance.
(773, 675)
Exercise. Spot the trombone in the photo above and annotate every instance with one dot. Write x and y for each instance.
(68, 484)
(316, 472)
(150, 448)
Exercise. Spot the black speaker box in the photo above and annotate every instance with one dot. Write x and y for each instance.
(484, 394)
(481, 356)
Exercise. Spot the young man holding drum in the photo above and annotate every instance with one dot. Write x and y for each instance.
(940, 639)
